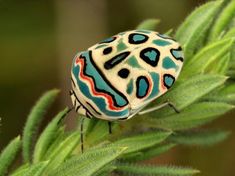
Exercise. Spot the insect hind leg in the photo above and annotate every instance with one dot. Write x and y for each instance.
(167, 103)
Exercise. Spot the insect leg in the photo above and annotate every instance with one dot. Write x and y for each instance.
(167, 103)
(110, 127)
(67, 112)
(81, 134)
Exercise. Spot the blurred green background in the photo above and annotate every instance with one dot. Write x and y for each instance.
(38, 40)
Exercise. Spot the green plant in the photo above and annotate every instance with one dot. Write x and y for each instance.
(204, 91)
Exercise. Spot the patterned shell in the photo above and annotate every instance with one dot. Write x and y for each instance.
(116, 78)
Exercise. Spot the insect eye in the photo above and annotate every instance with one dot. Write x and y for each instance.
(107, 50)
(123, 73)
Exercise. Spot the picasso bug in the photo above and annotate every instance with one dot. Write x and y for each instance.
(117, 77)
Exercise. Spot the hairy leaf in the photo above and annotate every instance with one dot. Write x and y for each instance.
(221, 66)
(208, 56)
(194, 29)
(225, 94)
(8, 155)
(48, 136)
(148, 153)
(194, 116)
(223, 21)
(89, 162)
(187, 92)
(199, 137)
(33, 121)
(156, 170)
(32, 170)
(143, 141)
(63, 150)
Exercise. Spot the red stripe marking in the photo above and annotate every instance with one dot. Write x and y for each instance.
(90, 80)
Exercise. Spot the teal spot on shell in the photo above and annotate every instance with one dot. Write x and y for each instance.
(101, 46)
(155, 89)
(168, 81)
(152, 55)
(129, 89)
(144, 31)
(121, 46)
(138, 37)
(142, 87)
(161, 42)
(110, 39)
(168, 63)
(177, 54)
(132, 61)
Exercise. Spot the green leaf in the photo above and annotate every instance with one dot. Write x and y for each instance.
(148, 153)
(89, 162)
(32, 170)
(225, 94)
(221, 67)
(194, 29)
(106, 170)
(8, 155)
(143, 141)
(194, 116)
(230, 33)
(149, 24)
(99, 132)
(21, 169)
(48, 136)
(208, 56)
(223, 21)
(33, 121)
(63, 150)
(187, 92)
(199, 137)
(155, 170)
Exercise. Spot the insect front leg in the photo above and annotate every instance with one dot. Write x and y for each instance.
(167, 103)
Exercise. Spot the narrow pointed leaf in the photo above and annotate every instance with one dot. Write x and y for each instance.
(156, 170)
(149, 24)
(230, 33)
(149, 153)
(223, 21)
(48, 136)
(32, 170)
(21, 169)
(194, 116)
(140, 142)
(221, 67)
(186, 92)
(193, 31)
(8, 155)
(33, 121)
(99, 132)
(200, 137)
(88, 163)
(225, 94)
(63, 150)
(210, 54)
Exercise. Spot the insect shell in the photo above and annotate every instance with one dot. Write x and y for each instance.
(116, 78)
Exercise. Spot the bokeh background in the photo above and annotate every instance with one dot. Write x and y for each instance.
(38, 40)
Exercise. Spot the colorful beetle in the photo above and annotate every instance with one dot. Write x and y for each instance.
(118, 77)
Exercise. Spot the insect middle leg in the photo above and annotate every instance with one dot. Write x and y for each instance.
(167, 103)
(81, 134)
(110, 127)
